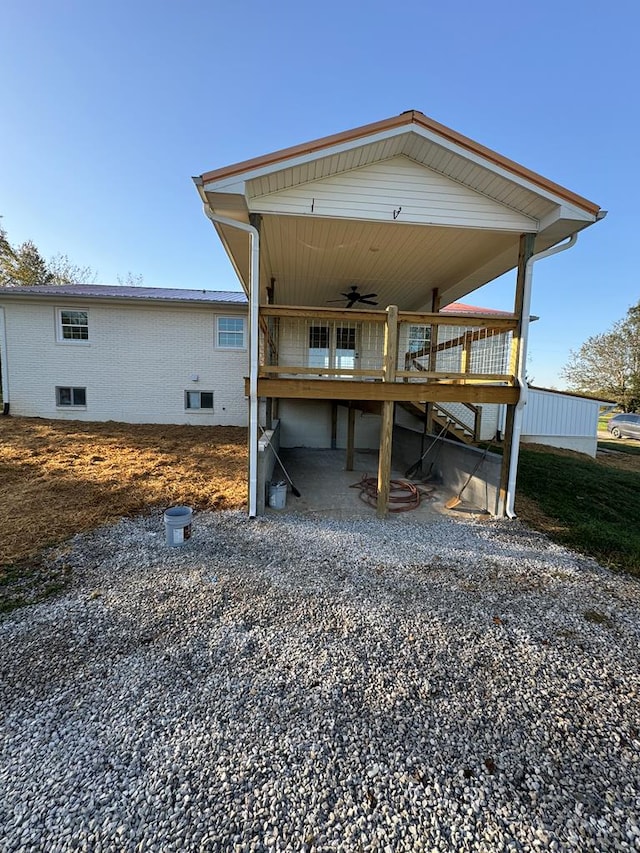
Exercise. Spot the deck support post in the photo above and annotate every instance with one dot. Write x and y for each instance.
(390, 360)
(334, 425)
(527, 242)
(351, 428)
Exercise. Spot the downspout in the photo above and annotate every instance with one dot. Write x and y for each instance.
(254, 301)
(3, 364)
(522, 369)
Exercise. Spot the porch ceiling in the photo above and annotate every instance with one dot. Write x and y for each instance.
(315, 260)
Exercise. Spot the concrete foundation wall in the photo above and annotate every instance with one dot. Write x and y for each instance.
(307, 423)
(581, 443)
(455, 462)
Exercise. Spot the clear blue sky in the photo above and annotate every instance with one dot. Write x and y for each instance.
(108, 108)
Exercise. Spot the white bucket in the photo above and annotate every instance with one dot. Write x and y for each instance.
(277, 495)
(177, 524)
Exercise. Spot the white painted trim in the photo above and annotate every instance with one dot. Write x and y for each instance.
(301, 159)
(60, 339)
(564, 211)
(4, 358)
(430, 136)
(216, 330)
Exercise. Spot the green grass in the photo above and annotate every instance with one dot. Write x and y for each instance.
(590, 507)
(620, 447)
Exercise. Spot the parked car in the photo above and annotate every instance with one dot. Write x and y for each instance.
(624, 426)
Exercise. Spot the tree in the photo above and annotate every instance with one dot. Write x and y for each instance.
(24, 266)
(608, 365)
(66, 272)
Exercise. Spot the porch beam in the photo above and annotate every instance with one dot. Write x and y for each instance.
(415, 317)
(339, 389)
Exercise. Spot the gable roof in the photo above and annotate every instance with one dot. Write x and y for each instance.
(405, 119)
(404, 207)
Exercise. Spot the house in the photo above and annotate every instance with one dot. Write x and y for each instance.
(353, 252)
(132, 354)
(79, 352)
(348, 246)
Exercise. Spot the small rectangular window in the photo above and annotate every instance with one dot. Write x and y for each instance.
(419, 339)
(230, 333)
(198, 400)
(73, 325)
(66, 396)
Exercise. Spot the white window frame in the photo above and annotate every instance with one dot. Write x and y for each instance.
(60, 327)
(333, 356)
(218, 330)
(72, 389)
(205, 409)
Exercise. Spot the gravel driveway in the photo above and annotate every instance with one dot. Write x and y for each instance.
(311, 685)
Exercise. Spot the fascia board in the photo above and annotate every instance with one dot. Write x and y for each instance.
(491, 166)
(565, 211)
(301, 159)
(232, 186)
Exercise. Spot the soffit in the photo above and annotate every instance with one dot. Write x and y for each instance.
(313, 260)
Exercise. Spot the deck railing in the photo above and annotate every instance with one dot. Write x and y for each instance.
(389, 346)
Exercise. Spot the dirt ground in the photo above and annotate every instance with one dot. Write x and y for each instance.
(63, 477)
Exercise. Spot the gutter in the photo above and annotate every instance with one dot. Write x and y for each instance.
(254, 300)
(3, 363)
(522, 367)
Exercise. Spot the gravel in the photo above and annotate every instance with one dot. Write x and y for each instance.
(307, 685)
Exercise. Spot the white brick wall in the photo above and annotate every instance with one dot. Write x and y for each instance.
(136, 367)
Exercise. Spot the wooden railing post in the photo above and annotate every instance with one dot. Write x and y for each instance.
(390, 360)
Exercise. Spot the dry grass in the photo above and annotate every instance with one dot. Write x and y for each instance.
(62, 477)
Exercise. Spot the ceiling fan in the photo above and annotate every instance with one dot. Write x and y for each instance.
(354, 296)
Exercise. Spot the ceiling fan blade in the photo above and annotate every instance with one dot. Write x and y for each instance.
(367, 301)
(368, 296)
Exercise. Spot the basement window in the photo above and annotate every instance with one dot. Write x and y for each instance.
(72, 325)
(73, 397)
(198, 400)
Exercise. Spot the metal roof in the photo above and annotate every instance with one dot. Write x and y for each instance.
(406, 119)
(110, 291)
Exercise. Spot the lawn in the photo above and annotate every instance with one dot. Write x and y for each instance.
(63, 477)
(589, 505)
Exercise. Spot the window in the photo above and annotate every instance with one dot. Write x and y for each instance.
(73, 325)
(332, 346)
(198, 400)
(230, 333)
(319, 346)
(66, 396)
(419, 339)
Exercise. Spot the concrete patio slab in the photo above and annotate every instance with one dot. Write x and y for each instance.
(326, 487)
